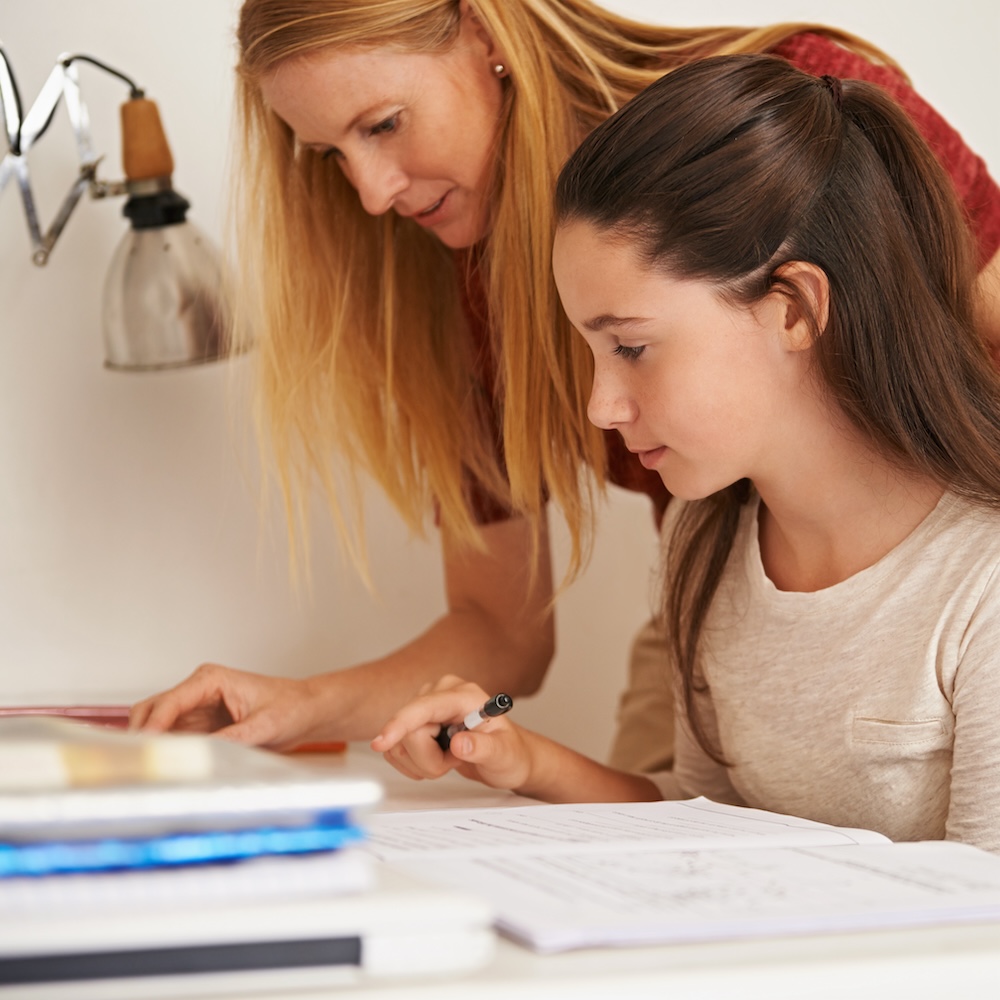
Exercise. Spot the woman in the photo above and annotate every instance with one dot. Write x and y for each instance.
(829, 421)
(396, 237)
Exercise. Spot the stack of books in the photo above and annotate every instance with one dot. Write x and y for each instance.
(129, 856)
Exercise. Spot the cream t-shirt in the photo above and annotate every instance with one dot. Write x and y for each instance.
(874, 703)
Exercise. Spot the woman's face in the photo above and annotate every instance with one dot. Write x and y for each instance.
(414, 132)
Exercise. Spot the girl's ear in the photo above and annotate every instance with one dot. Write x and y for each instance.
(804, 290)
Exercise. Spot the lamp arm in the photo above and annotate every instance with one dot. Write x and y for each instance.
(10, 101)
(24, 130)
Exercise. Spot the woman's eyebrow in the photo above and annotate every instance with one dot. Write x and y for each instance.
(606, 320)
(371, 111)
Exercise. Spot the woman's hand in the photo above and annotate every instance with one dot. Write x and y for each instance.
(497, 753)
(240, 706)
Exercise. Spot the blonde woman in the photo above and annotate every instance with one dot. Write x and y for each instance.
(399, 160)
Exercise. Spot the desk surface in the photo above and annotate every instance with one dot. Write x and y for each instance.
(923, 964)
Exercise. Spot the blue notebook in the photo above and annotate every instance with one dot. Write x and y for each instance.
(333, 832)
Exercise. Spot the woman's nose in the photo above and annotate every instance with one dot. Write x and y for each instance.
(379, 184)
(609, 406)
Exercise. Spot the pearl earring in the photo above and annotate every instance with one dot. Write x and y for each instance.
(500, 69)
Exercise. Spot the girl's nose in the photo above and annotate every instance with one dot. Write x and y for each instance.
(610, 405)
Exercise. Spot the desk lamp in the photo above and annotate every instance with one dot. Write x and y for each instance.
(163, 305)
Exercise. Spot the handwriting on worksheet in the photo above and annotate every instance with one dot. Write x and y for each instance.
(580, 876)
(585, 899)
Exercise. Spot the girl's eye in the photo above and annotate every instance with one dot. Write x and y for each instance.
(387, 125)
(327, 153)
(629, 353)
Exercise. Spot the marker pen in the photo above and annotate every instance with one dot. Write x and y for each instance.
(497, 705)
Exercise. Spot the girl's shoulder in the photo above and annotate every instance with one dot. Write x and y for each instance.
(955, 550)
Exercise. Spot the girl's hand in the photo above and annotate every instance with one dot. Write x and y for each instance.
(495, 753)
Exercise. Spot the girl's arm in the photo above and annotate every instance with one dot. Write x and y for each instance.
(498, 630)
(499, 753)
(974, 800)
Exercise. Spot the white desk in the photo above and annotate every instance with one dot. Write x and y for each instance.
(925, 964)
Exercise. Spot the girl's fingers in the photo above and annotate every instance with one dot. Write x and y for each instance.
(402, 764)
(499, 755)
(430, 712)
(493, 753)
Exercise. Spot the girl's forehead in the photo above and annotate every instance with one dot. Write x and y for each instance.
(579, 241)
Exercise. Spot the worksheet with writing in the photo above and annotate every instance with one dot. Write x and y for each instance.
(580, 900)
(562, 877)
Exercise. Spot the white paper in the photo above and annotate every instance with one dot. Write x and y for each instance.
(633, 826)
(581, 876)
(580, 900)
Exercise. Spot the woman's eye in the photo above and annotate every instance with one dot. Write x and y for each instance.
(386, 125)
(630, 353)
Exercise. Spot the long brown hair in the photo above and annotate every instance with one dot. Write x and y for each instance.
(728, 169)
(357, 318)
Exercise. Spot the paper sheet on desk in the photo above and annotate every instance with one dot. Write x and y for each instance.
(594, 900)
(632, 826)
(563, 877)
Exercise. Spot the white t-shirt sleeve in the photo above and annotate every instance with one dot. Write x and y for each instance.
(974, 808)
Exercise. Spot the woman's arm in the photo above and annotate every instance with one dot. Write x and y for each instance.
(498, 630)
(500, 753)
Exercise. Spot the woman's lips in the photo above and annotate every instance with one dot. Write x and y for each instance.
(432, 214)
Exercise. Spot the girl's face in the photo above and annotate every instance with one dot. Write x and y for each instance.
(413, 132)
(700, 389)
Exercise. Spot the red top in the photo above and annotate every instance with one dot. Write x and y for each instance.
(817, 55)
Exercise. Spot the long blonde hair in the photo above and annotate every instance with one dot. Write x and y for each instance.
(358, 319)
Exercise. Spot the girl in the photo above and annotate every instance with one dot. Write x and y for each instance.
(395, 234)
(776, 283)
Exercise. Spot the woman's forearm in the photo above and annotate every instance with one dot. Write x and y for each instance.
(352, 704)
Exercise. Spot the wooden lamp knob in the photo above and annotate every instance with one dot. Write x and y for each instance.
(145, 151)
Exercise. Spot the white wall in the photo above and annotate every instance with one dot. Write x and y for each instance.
(130, 544)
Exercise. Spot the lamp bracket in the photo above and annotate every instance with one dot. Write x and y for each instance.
(23, 132)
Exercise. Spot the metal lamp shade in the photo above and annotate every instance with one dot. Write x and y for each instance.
(162, 300)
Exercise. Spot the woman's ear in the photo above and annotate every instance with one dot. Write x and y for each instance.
(472, 23)
(804, 292)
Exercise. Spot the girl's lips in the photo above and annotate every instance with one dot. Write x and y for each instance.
(650, 459)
